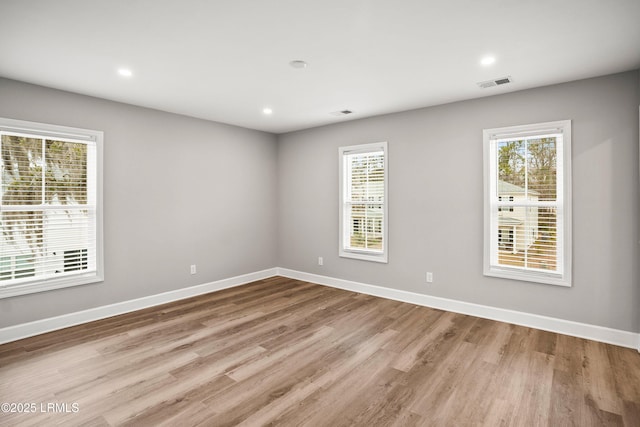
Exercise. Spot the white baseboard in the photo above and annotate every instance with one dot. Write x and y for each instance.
(25, 330)
(566, 327)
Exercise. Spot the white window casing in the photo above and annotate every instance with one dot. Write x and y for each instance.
(50, 207)
(363, 217)
(527, 202)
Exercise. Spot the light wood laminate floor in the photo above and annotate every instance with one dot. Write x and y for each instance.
(286, 352)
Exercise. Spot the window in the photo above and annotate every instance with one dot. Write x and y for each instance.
(501, 208)
(50, 207)
(75, 260)
(16, 267)
(527, 196)
(363, 202)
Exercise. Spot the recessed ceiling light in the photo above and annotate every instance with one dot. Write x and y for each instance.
(125, 72)
(298, 64)
(488, 60)
(267, 110)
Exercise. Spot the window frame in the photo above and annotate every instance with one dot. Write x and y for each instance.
(343, 250)
(95, 138)
(563, 201)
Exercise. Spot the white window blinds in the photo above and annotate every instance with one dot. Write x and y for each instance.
(363, 217)
(49, 207)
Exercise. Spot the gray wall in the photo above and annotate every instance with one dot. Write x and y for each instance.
(177, 191)
(436, 193)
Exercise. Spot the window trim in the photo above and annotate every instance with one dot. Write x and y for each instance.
(563, 278)
(343, 251)
(41, 130)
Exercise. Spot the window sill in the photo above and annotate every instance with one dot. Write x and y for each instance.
(364, 256)
(529, 276)
(9, 291)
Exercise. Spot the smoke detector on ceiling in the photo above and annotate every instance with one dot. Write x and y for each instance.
(341, 113)
(496, 82)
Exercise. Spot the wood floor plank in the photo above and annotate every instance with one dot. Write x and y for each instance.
(270, 413)
(566, 399)
(598, 379)
(286, 352)
(327, 405)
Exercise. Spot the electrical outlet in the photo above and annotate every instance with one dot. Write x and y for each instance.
(429, 277)
(320, 261)
(193, 269)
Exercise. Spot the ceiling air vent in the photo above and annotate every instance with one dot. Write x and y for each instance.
(496, 82)
(341, 113)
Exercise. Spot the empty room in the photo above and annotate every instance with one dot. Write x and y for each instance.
(319, 213)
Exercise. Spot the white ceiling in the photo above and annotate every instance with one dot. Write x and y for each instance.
(225, 60)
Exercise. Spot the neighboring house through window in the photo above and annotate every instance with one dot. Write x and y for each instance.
(517, 226)
(528, 202)
(50, 207)
(363, 202)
